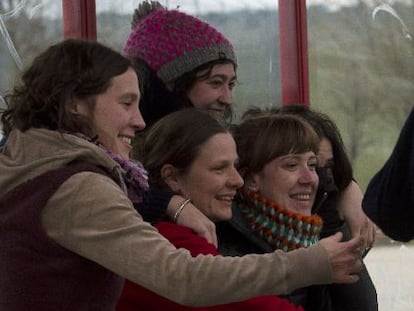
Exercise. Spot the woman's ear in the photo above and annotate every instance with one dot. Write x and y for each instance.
(79, 107)
(169, 175)
(251, 182)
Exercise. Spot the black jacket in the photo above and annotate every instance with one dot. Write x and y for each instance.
(389, 198)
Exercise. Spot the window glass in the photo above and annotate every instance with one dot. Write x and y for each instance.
(252, 27)
(362, 75)
(30, 26)
(26, 29)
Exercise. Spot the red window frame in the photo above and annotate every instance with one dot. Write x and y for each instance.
(294, 52)
(79, 19)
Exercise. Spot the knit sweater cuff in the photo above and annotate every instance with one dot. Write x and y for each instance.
(154, 205)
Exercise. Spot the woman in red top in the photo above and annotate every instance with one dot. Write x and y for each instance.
(193, 154)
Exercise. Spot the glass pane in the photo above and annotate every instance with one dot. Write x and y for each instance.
(26, 28)
(362, 75)
(252, 27)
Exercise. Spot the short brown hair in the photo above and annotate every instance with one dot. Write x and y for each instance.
(262, 138)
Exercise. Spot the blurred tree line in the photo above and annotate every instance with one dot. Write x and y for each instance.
(361, 70)
(362, 75)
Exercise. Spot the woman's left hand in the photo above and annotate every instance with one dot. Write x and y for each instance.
(192, 218)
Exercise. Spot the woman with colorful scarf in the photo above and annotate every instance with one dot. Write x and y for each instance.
(336, 176)
(278, 161)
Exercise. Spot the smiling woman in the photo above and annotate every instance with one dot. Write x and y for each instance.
(280, 179)
(116, 114)
(273, 210)
(183, 61)
(181, 155)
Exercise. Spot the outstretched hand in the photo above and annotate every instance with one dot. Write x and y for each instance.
(344, 257)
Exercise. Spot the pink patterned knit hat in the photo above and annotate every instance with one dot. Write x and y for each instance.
(173, 43)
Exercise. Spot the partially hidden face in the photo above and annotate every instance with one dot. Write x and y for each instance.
(290, 180)
(116, 116)
(212, 178)
(325, 155)
(216, 92)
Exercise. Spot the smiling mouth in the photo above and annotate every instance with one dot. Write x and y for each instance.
(126, 139)
(302, 197)
(226, 198)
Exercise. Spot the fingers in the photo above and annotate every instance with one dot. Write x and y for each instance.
(337, 236)
(344, 257)
(351, 275)
(348, 271)
(208, 231)
(372, 234)
(355, 244)
(368, 233)
(349, 279)
(359, 250)
(365, 231)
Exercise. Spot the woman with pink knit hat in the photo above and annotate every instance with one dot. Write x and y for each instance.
(182, 60)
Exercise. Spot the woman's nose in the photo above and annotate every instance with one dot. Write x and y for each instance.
(235, 180)
(308, 176)
(138, 121)
(226, 96)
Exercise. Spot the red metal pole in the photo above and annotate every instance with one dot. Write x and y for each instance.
(79, 19)
(294, 52)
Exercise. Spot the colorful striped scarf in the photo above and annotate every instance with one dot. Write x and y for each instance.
(279, 227)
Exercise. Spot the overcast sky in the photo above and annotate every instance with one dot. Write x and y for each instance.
(203, 6)
(54, 7)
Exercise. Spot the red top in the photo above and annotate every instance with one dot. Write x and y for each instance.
(135, 297)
